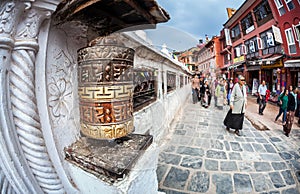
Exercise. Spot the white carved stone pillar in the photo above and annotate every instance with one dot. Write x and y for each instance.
(25, 163)
(24, 101)
(14, 177)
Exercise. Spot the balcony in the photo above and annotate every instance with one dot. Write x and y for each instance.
(264, 20)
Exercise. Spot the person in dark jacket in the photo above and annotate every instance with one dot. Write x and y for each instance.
(291, 107)
(283, 99)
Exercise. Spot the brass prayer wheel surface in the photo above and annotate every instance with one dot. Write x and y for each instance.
(105, 87)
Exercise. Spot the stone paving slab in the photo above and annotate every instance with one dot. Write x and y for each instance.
(202, 157)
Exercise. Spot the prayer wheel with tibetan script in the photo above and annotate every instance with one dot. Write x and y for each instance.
(105, 88)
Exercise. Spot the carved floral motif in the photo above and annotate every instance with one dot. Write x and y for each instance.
(60, 95)
(6, 19)
(60, 88)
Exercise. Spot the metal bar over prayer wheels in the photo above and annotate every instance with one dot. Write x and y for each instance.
(106, 88)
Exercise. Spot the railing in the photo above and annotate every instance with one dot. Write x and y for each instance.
(252, 55)
(272, 50)
(264, 20)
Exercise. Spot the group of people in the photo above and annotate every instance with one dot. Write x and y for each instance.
(234, 94)
(201, 91)
(289, 105)
(288, 101)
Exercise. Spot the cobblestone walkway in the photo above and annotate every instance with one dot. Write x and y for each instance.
(200, 156)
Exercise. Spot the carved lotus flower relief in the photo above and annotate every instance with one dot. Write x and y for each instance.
(60, 98)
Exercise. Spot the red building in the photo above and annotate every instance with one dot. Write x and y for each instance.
(252, 46)
(287, 15)
(208, 58)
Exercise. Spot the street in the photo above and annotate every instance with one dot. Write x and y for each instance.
(200, 156)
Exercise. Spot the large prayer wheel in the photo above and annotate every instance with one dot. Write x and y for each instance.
(105, 88)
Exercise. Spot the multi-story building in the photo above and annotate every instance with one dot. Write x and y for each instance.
(208, 58)
(287, 14)
(188, 57)
(252, 46)
(262, 41)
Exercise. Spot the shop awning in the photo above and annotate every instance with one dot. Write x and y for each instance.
(253, 68)
(266, 61)
(292, 63)
(235, 65)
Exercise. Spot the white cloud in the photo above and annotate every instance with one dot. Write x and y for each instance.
(196, 17)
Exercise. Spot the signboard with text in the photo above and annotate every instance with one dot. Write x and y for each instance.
(238, 59)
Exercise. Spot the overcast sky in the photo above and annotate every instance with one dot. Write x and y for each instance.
(190, 21)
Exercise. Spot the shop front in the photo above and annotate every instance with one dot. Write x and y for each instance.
(274, 75)
(270, 70)
(237, 68)
(293, 68)
(252, 77)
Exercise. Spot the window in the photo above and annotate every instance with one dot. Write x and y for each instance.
(227, 58)
(259, 43)
(270, 39)
(171, 81)
(235, 33)
(290, 4)
(145, 87)
(263, 13)
(181, 81)
(251, 45)
(297, 32)
(247, 24)
(252, 48)
(243, 49)
(237, 51)
(280, 7)
(290, 40)
(269, 45)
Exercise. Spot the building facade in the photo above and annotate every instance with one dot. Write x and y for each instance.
(250, 40)
(287, 14)
(189, 58)
(208, 58)
(260, 41)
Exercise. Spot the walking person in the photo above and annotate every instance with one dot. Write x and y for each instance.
(229, 89)
(201, 91)
(215, 84)
(238, 103)
(291, 107)
(195, 89)
(207, 95)
(262, 90)
(221, 94)
(298, 106)
(283, 101)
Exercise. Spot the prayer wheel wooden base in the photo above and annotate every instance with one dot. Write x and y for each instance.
(109, 160)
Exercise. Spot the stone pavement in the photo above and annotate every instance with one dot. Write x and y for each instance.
(200, 156)
(266, 121)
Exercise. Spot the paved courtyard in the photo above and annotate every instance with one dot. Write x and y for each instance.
(200, 156)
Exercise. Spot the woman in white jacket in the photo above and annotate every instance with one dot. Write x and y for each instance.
(238, 103)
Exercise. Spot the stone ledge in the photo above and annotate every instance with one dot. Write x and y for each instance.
(256, 123)
(108, 160)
